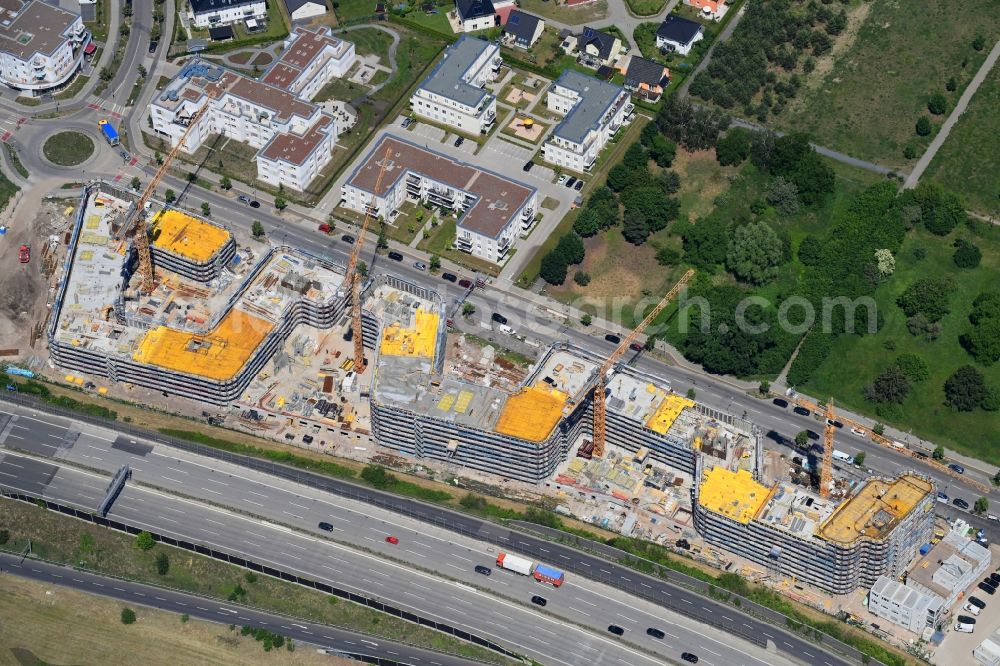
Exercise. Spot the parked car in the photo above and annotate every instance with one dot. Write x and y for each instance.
(612, 338)
(562, 179)
(835, 424)
(571, 182)
(635, 346)
(499, 318)
(941, 497)
(955, 467)
(780, 402)
(391, 539)
(450, 277)
(420, 266)
(578, 186)
(465, 283)
(964, 628)
(255, 204)
(995, 578)
(244, 199)
(859, 432)
(527, 167)
(812, 434)
(689, 657)
(969, 608)
(538, 600)
(655, 633)
(977, 602)
(325, 228)
(459, 141)
(506, 330)
(152, 46)
(802, 411)
(990, 516)
(24, 254)
(965, 619)
(395, 256)
(486, 571)
(347, 238)
(326, 527)
(988, 589)
(920, 454)
(960, 503)
(615, 629)
(407, 122)
(308, 439)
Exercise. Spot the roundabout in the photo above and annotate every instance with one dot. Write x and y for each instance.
(68, 148)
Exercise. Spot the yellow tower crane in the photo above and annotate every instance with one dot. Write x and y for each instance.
(826, 469)
(352, 276)
(600, 409)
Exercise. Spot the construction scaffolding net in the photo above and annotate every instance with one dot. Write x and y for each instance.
(188, 237)
(218, 355)
(532, 413)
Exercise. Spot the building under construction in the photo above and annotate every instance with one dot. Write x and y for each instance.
(215, 314)
(834, 545)
(427, 403)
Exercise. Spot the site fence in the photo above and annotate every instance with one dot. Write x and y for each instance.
(603, 566)
(89, 516)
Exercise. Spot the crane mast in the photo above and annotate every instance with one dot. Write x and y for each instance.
(352, 273)
(600, 408)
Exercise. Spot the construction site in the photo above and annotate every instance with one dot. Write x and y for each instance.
(206, 320)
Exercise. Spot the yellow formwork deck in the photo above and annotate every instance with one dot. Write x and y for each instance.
(532, 413)
(187, 236)
(219, 355)
(735, 495)
(668, 411)
(417, 342)
(876, 509)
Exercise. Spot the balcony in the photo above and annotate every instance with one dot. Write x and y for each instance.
(464, 244)
(590, 164)
(441, 198)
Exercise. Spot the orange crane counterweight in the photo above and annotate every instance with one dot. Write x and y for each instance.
(600, 408)
(352, 273)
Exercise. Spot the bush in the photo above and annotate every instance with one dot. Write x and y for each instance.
(913, 367)
(162, 564)
(891, 385)
(734, 147)
(924, 126)
(581, 278)
(966, 254)
(377, 476)
(927, 296)
(937, 104)
(128, 616)
(667, 256)
(144, 540)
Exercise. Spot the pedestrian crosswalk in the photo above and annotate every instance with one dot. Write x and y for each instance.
(113, 110)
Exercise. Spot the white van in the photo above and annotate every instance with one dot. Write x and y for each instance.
(964, 628)
(505, 329)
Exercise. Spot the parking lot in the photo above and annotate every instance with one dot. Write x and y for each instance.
(956, 648)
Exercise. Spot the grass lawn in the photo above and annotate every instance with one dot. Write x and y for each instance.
(967, 162)
(68, 148)
(99, 27)
(90, 631)
(63, 539)
(7, 190)
(348, 10)
(442, 239)
(869, 101)
(592, 11)
(15, 159)
(437, 22)
(72, 89)
(646, 7)
(854, 361)
(369, 41)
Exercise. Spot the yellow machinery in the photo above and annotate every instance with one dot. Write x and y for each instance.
(352, 273)
(826, 470)
(600, 409)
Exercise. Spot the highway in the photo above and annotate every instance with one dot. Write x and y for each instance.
(580, 601)
(302, 631)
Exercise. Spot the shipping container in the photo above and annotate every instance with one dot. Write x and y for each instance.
(515, 564)
(544, 574)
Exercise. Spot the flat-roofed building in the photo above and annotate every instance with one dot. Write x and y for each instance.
(592, 110)
(41, 45)
(950, 567)
(492, 209)
(454, 92)
(309, 60)
(795, 533)
(207, 13)
(987, 653)
(904, 605)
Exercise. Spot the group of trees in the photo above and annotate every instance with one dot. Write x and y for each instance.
(771, 33)
(793, 158)
(982, 338)
(568, 251)
(695, 128)
(966, 390)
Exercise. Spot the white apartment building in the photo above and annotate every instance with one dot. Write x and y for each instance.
(493, 210)
(453, 93)
(210, 13)
(593, 111)
(309, 60)
(903, 605)
(41, 46)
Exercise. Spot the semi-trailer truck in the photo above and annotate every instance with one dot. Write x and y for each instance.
(515, 564)
(544, 574)
(109, 132)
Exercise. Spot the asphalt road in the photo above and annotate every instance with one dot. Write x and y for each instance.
(303, 632)
(580, 601)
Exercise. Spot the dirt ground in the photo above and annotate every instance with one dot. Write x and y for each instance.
(24, 287)
(90, 631)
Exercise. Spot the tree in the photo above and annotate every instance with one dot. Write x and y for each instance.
(890, 385)
(191, 176)
(587, 223)
(784, 196)
(158, 157)
(695, 128)
(620, 177)
(927, 296)
(257, 229)
(982, 340)
(913, 367)
(136, 183)
(966, 254)
(571, 248)
(206, 210)
(811, 251)
(162, 564)
(982, 505)
(937, 104)
(635, 157)
(170, 196)
(144, 540)
(764, 388)
(667, 256)
(141, 68)
(734, 147)
(802, 439)
(859, 458)
(965, 389)
(996, 479)
(586, 319)
(106, 74)
(128, 616)
(280, 203)
(377, 476)
(582, 278)
(938, 453)
(468, 309)
(635, 230)
(885, 263)
(878, 429)
(924, 126)
(362, 269)
(435, 262)
(553, 268)
(979, 43)
(383, 239)
(662, 150)
(755, 253)
(225, 183)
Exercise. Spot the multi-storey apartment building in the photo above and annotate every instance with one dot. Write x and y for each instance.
(453, 93)
(492, 209)
(795, 533)
(41, 46)
(593, 111)
(209, 13)
(294, 137)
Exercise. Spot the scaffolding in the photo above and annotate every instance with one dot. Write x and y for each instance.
(188, 237)
(218, 355)
(531, 413)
